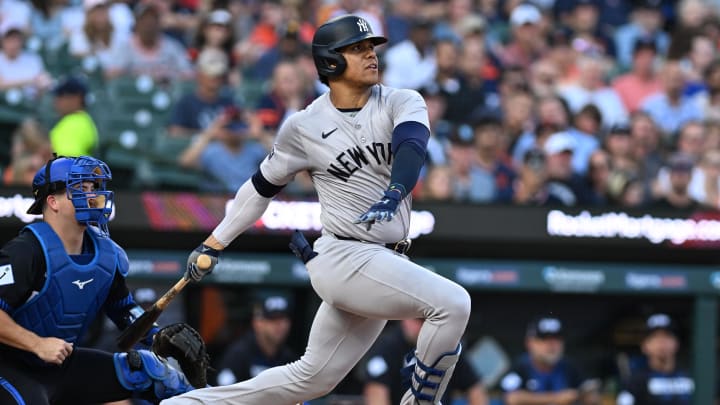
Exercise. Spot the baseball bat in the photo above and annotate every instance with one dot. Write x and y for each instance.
(133, 333)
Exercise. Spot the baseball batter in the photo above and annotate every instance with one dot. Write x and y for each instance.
(364, 145)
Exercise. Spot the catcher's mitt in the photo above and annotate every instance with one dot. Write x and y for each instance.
(183, 343)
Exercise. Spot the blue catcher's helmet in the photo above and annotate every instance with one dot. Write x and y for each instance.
(92, 206)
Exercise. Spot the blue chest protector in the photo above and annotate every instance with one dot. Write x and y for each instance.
(73, 293)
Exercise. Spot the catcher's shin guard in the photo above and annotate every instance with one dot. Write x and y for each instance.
(142, 372)
(428, 383)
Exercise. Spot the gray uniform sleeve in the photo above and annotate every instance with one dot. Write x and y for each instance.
(287, 156)
(408, 105)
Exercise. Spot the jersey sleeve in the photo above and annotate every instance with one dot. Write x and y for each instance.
(22, 266)
(287, 156)
(408, 105)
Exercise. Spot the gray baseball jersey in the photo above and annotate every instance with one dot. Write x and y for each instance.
(349, 158)
(362, 284)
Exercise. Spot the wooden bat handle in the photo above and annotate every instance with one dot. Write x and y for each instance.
(203, 262)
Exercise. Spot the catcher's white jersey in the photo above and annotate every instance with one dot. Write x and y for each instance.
(349, 158)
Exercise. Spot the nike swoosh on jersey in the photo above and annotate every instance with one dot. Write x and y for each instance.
(326, 134)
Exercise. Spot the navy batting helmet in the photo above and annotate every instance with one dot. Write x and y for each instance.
(335, 34)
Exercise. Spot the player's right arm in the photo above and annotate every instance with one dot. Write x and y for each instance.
(18, 278)
(252, 199)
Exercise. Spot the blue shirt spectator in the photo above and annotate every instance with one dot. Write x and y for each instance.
(230, 168)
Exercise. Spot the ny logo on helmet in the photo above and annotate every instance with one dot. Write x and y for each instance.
(363, 25)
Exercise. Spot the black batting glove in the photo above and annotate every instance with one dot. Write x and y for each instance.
(193, 271)
(383, 210)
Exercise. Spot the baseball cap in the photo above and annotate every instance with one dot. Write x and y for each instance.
(212, 62)
(680, 162)
(219, 17)
(559, 142)
(12, 28)
(659, 322)
(525, 14)
(70, 85)
(45, 184)
(462, 134)
(472, 24)
(544, 326)
(272, 306)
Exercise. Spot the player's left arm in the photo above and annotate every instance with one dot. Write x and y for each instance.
(409, 147)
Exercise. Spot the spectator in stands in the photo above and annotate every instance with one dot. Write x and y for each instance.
(676, 196)
(399, 18)
(705, 183)
(52, 21)
(178, 19)
(15, 13)
(215, 32)
(646, 21)
(646, 148)
(98, 35)
(460, 153)
(517, 116)
(663, 380)
(227, 151)
(474, 92)
(196, 110)
(439, 128)
(75, 134)
(527, 44)
(492, 174)
(582, 26)
(288, 94)
(30, 150)
(598, 176)
(386, 360)
(148, 51)
(619, 145)
(696, 60)
(670, 109)
(416, 51)
(437, 184)
(543, 375)
(591, 89)
(263, 346)
(543, 78)
(708, 101)
(530, 185)
(585, 132)
(21, 69)
(563, 183)
(289, 46)
(625, 189)
(447, 56)
(535, 139)
(642, 81)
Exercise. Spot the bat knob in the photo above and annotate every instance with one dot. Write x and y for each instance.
(204, 262)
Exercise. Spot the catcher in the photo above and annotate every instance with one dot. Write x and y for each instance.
(55, 277)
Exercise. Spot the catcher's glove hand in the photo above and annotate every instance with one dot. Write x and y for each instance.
(183, 343)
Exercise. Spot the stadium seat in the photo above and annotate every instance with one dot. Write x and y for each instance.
(15, 106)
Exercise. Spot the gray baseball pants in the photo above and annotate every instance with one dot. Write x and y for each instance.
(362, 285)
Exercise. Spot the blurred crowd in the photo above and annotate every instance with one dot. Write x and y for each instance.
(542, 102)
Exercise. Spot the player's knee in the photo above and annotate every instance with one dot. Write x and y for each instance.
(458, 304)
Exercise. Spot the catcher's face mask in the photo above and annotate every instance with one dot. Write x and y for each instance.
(84, 180)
